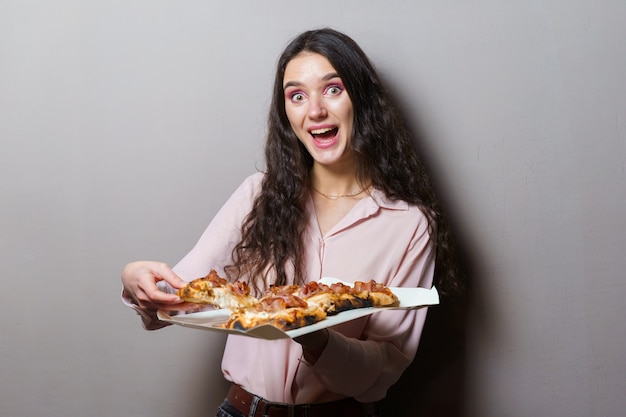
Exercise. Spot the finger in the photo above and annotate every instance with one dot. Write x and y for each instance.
(165, 298)
(161, 301)
(142, 300)
(165, 273)
(148, 294)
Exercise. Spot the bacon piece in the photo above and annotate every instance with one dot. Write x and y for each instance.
(341, 288)
(312, 288)
(240, 288)
(281, 290)
(215, 280)
(370, 286)
(280, 302)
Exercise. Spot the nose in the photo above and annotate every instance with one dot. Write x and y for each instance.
(317, 110)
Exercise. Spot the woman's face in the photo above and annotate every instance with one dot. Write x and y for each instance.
(318, 108)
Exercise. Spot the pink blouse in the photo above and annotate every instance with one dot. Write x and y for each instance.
(379, 239)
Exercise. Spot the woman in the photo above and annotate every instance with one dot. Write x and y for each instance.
(344, 195)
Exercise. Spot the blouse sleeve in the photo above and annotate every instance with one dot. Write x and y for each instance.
(365, 369)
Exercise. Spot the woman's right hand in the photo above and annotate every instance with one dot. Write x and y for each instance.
(140, 285)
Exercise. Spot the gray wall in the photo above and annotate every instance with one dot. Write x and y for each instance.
(124, 125)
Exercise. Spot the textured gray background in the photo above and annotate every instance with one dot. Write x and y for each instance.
(124, 125)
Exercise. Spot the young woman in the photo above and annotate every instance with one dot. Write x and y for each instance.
(343, 195)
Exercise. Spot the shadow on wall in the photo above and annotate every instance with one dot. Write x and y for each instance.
(434, 385)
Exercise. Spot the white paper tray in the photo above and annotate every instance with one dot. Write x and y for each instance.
(410, 298)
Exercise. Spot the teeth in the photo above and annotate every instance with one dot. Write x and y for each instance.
(321, 131)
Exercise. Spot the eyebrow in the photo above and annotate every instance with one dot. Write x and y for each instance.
(326, 77)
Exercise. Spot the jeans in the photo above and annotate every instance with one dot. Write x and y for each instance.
(227, 410)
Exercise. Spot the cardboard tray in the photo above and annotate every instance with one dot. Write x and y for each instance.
(410, 299)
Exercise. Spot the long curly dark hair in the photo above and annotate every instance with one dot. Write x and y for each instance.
(384, 150)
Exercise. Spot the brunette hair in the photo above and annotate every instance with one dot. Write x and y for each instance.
(384, 150)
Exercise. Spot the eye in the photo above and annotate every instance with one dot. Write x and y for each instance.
(297, 97)
(334, 90)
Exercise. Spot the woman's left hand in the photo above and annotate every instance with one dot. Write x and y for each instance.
(313, 344)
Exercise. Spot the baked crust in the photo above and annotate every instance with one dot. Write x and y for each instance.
(379, 294)
(346, 298)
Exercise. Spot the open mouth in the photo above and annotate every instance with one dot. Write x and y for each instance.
(324, 133)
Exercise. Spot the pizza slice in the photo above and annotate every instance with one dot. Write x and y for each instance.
(317, 294)
(215, 290)
(279, 309)
(333, 299)
(378, 294)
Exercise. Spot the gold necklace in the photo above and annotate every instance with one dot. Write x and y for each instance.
(337, 197)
